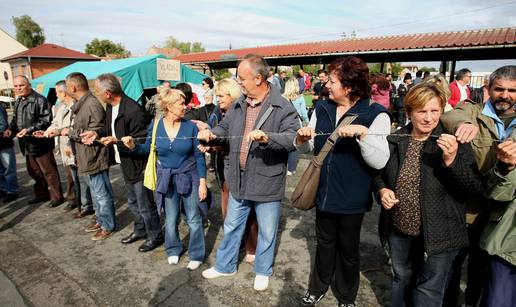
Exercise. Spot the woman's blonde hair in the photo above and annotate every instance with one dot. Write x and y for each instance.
(419, 95)
(291, 89)
(228, 87)
(169, 96)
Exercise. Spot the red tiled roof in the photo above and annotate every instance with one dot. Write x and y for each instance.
(471, 38)
(51, 51)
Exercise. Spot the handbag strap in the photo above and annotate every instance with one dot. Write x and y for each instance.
(154, 128)
(330, 142)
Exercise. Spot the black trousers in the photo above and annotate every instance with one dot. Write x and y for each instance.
(337, 259)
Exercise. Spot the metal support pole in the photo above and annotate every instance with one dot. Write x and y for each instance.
(452, 71)
(381, 67)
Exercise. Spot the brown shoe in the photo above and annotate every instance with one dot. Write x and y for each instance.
(101, 235)
(93, 227)
(81, 214)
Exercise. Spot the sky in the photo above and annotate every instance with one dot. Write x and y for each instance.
(138, 25)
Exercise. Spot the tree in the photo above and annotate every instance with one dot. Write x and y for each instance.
(105, 47)
(395, 68)
(430, 69)
(28, 32)
(185, 47)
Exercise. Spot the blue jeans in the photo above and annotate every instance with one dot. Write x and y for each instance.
(81, 186)
(267, 215)
(8, 178)
(103, 200)
(431, 274)
(173, 244)
(293, 157)
(146, 218)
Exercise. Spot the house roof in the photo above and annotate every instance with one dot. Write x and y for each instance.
(52, 51)
(382, 44)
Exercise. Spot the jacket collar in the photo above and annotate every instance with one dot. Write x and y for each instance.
(274, 99)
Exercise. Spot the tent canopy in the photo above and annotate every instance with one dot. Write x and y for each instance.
(136, 74)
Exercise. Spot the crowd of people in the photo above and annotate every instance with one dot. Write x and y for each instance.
(445, 180)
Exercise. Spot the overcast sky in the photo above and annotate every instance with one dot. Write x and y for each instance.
(140, 24)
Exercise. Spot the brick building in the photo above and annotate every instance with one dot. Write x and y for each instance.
(44, 59)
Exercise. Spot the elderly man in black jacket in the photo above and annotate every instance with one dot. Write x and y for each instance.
(124, 117)
(32, 112)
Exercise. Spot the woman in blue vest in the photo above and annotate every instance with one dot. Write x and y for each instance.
(345, 187)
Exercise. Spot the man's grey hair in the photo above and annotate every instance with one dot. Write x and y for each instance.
(79, 80)
(61, 86)
(258, 64)
(24, 78)
(507, 72)
(110, 83)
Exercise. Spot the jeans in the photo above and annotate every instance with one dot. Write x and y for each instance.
(8, 178)
(173, 244)
(82, 190)
(293, 157)
(146, 218)
(500, 285)
(427, 287)
(103, 200)
(267, 215)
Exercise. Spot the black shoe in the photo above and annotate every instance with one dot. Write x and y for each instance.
(9, 197)
(70, 206)
(132, 238)
(37, 200)
(311, 300)
(55, 203)
(2, 193)
(149, 245)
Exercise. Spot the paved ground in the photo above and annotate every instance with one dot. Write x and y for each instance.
(49, 260)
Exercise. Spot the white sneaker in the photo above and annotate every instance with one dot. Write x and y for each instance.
(173, 259)
(289, 173)
(249, 258)
(212, 273)
(261, 282)
(193, 265)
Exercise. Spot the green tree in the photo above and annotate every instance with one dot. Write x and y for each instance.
(105, 47)
(185, 47)
(430, 69)
(220, 74)
(28, 32)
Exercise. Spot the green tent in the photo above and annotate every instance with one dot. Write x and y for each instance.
(136, 74)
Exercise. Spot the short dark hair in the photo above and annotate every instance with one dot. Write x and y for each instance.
(322, 71)
(186, 89)
(79, 80)
(354, 73)
(462, 73)
(209, 82)
(419, 73)
(407, 76)
(427, 73)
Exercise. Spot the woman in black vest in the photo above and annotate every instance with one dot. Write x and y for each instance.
(345, 187)
(422, 189)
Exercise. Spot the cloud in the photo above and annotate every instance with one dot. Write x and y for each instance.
(139, 25)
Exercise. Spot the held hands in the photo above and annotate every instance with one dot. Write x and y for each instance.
(449, 145)
(206, 136)
(203, 189)
(304, 134)
(128, 142)
(65, 131)
(50, 133)
(506, 153)
(39, 134)
(88, 137)
(7, 133)
(108, 140)
(466, 133)
(388, 198)
(22, 133)
(258, 136)
(353, 131)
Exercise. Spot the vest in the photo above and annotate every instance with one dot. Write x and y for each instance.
(345, 186)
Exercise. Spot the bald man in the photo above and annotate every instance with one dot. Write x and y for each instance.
(32, 112)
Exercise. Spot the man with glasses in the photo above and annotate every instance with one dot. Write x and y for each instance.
(460, 87)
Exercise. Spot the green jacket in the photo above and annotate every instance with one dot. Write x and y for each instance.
(499, 235)
(484, 147)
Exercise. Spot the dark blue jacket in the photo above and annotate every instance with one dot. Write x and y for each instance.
(346, 180)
